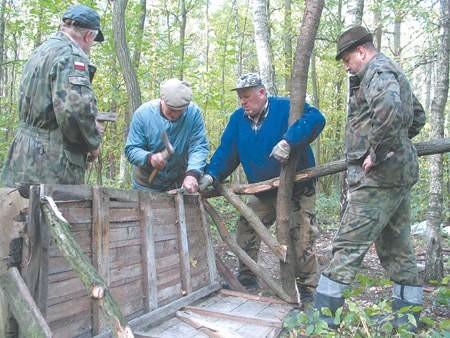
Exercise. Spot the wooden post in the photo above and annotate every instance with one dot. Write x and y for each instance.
(185, 264)
(254, 221)
(30, 319)
(255, 268)
(94, 283)
(100, 246)
(148, 247)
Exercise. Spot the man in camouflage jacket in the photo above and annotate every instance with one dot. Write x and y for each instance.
(57, 106)
(383, 115)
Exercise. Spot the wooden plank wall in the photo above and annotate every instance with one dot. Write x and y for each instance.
(133, 240)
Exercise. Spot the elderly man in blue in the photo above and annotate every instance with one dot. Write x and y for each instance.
(182, 121)
(258, 136)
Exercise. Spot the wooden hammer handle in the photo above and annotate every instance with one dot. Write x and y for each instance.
(165, 153)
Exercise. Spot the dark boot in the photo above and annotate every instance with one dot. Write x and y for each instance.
(332, 303)
(329, 294)
(406, 296)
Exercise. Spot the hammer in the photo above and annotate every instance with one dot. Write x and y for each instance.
(167, 152)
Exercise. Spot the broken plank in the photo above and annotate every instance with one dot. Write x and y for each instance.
(241, 318)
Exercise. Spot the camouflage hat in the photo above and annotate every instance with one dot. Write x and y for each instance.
(350, 38)
(176, 94)
(248, 80)
(85, 17)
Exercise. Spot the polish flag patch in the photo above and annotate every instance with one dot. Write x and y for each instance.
(80, 65)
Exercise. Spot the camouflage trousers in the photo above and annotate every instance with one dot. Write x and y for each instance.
(379, 216)
(303, 234)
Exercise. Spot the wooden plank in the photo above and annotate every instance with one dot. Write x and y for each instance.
(165, 311)
(206, 327)
(42, 293)
(242, 318)
(210, 256)
(183, 244)
(148, 247)
(252, 297)
(22, 305)
(100, 247)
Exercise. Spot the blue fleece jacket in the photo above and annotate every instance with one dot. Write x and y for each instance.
(240, 144)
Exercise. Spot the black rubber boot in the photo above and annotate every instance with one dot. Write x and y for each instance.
(406, 296)
(333, 303)
(401, 319)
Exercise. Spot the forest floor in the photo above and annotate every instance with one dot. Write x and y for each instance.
(371, 268)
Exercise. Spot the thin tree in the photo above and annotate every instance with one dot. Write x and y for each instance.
(353, 16)
(434, 262)
(128, 71)
(262, 43)
(305, 45)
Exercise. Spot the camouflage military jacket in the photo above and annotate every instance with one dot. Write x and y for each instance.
(57, 110)
(383, 114)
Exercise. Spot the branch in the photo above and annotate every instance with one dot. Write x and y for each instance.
(72, 252)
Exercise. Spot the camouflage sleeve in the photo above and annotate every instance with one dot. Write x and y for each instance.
(74, 104)
(419, 118)
(383, 96)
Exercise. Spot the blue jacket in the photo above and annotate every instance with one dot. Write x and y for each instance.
(187, 135)
(240, 144)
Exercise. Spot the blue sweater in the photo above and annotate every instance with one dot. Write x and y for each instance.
(240, 144)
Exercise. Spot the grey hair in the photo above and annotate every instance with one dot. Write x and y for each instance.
(74, 27)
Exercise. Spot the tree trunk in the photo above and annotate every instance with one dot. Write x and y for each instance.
(305, 45)
(287, 44)
(140, 34)
(2, 43)
(182, 36)
(355, 10)
(434, 263)
(353, 17)
(128, 71)
(262, 44)
(123, 55)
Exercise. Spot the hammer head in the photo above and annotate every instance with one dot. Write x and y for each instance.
(165, 139)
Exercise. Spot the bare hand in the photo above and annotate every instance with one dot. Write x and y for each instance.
(190, 184)
(93, 155)
(158, 160)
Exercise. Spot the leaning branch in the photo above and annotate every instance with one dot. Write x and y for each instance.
(94, 283)
(423, 149)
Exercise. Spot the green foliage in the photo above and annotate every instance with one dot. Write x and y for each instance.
(328, 209)
(359, 319)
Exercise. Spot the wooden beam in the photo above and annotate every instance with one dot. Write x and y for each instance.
(245, 319)
(26, 312)
(210, 256)
(148, 246)
(253, 266)
(249, 296)
(185, 263)
(100, 247)
(229, 277)
(253, 220)
(59, 229)
(211, 330)
(423, 149)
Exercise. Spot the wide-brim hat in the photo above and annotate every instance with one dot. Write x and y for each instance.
(86, 17)
(352, 37)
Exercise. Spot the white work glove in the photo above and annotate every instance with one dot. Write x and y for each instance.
(281, 151)
(205, 182)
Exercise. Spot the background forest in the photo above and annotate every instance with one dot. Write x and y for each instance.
(210, 44)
